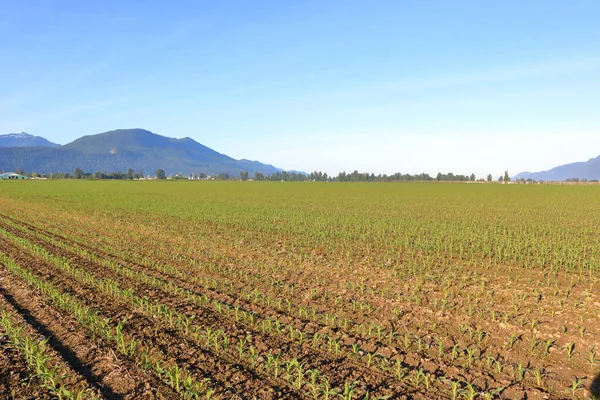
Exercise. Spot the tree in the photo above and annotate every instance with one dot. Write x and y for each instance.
(506, 177)
(472, 177)
(160, 174)
(244, 175)
(500, 179)
(78, 173)
(130, 174)
(489, 177)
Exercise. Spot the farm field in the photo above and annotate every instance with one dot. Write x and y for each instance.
(221, 290)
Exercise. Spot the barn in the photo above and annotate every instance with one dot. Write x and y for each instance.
(11, 176)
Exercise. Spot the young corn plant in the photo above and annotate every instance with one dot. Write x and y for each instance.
(576, 385)
(539, 374)
(592, 356)
(39, 359)
(570, 349)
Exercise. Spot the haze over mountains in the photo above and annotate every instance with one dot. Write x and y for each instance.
(121, 149)
(581, 170)
(145, 151)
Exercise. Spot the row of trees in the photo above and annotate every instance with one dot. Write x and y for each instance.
(130, 174)
(365, 177)
(317, 176)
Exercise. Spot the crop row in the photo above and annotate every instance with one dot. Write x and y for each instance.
(100, 326)
(456, 352)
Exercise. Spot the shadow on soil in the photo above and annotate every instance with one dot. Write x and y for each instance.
(67, 354)
(595, 388)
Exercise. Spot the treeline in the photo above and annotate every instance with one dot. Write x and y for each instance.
(371, 177)
(366, 177)
(78, 173)
(355, 176)
(288, 176)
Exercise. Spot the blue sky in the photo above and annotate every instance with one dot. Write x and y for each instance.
(380, 86)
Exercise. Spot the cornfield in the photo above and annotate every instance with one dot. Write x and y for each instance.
(244, 290)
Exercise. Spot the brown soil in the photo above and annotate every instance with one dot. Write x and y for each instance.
(94, 362)
(523, 307)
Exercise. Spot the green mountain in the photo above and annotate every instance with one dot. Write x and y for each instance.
(122, 149)
(24, 139)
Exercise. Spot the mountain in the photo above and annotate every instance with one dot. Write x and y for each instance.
(122, 149)
(24, 140)
(583, 170)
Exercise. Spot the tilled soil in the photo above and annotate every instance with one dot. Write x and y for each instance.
(94, 362)
(340, 369)
(230, 376)
(16, 381)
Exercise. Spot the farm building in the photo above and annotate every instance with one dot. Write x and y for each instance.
(11, 175)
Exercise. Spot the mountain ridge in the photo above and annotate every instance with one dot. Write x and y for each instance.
(589, 170)
(24, 139)
(122, 149)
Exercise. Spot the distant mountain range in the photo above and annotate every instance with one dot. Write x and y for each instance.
(121, 149)
(24, 140)
(582, 170)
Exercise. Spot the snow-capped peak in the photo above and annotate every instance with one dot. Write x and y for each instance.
(19, 135)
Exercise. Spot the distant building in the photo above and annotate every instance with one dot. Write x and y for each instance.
(11, 176)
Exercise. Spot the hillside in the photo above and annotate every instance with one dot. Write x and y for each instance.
(582, 170)
(122, 149)
(24, 139)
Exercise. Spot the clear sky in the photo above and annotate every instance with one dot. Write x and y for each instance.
(381, 86)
